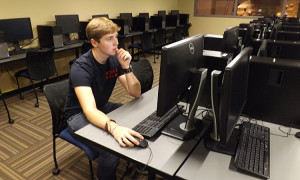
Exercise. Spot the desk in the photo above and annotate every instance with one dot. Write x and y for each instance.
(168, 153)
(23, 56)
(284, 161)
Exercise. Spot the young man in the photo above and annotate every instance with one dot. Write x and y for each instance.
(92, 79)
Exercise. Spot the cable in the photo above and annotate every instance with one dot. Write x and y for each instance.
(29, 43)
(148, 162)
(10, 74)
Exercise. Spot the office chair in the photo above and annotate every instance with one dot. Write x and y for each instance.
(56, 94)
(145, 45)
(176, 36)
(144, 73)
(10, 121)
(40, 65)
(185, 30)
(158, 41)
(121, 39)
(86, 46)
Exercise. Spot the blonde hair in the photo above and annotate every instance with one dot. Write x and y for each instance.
(98, 27)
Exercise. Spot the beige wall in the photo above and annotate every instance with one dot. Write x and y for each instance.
(207, 25)
(43, 12)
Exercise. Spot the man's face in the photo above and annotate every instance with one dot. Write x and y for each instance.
(108, 44)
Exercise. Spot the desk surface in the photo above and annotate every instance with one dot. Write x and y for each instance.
(217, 54)
(284, 160)
(23, 55)
(168, 153)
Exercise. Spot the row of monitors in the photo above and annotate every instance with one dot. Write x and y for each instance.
(69, 24)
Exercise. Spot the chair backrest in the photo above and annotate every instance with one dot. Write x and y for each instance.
(121, 40)
(178, 33)
(144, 73)
(56, 94)
(247, 39)
(159, 36)
(147, 41)
(185, 30)
(40, 64)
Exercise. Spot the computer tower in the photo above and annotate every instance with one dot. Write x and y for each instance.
(3, 46)
(50, 36)
(184, 19)
(82, 33)
(123, 23)
(172, 20)
(140, 24)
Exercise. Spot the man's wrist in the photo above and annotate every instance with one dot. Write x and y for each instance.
(128, 70)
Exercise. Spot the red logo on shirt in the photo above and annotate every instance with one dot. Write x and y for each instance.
(111, 74)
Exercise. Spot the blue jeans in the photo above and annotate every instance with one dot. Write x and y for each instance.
(107, 163)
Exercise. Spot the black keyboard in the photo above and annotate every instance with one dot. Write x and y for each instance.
(22, 51)
(253, 151)
(153, 124)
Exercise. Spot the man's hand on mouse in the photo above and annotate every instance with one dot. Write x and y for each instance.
(126, 137)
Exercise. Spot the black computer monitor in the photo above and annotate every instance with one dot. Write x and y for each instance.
(100, 15)
(178, 72)
(174, 12)
(145, 15)
(172, 20)
(127, 16)
(162, 13)
(230, 39)
(157, 22)
(228, 102)
(184, 19)
(282, 49)
(69, 24)
(230, 43)
(16, 30)
(273, 91)
(288, 36)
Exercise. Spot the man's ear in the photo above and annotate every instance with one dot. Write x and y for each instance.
(94, 42)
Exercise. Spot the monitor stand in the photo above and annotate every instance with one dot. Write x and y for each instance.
(16, 46)
(186, 127)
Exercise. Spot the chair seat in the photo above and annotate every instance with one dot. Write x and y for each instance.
(136, 45)
(23, 73)
(89, 150)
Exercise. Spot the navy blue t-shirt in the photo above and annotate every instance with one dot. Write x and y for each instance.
(86, 71)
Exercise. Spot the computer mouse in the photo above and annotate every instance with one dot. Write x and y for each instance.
(297, 135)
(143, 143)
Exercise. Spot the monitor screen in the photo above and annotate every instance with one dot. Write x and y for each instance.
(174, 12)
(273, 91)
(100, 15)
(16, 29)
(288, 35)
(283, 49)
(162, 13)
(228, 100)
(233, 93)
(69, 23)
(176, 61)
(145, 15)
(176, 76)
(127, 16)
(231, 40)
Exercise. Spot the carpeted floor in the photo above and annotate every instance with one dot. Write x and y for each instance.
(26, 145)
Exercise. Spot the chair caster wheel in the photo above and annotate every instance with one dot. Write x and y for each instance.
(36, 105)
(21, 97)
(55, 171)
(11, 121)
